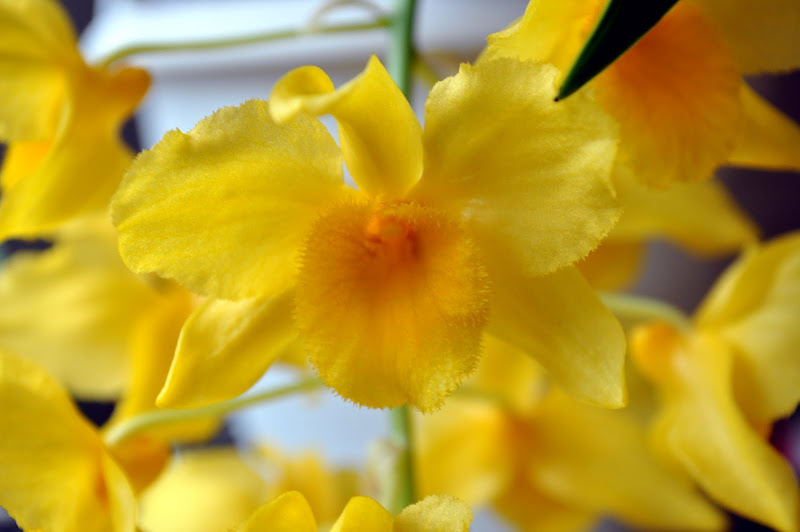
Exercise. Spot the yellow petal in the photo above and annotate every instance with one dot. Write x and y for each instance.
(208, 490)
(529, 176)
(703, 217)
(37, 47)
(56, 309)
(534, 511)
(327, 490)
(288, 513)
(559, 321)
(223, 209)
(85, 161)
(362, 514)
(121, 501)
(21, 159)
(510, 375)
(55, 474)
(613, 265)
(704, 429)
(465, 449)
(42, 25)
(598, 459)
(550, 31)
(433, 514)
(143, 458)
(378, 131)
(769, 138)
(762, 37)
(225, 347)
(675, 94)
(754, 307)
(153, 346)
(391, 303)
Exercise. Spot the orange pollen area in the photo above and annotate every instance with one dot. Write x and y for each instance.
(654, 348)
(142, 458)
(392, 239)
(391, 302)
(100, 488)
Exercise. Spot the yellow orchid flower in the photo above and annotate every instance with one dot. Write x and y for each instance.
(56, 474)
(472, 225)
(208, 490)
(678, 93)
(724, 382)
(551, 463)
(60, 118)
(291, 512)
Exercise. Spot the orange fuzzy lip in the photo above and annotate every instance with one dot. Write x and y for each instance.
(391, 294)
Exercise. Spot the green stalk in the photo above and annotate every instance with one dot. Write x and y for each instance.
(401, 49)
(128, 51)
(635, 308)
(402, 433)
(401, 60)
(132, 426)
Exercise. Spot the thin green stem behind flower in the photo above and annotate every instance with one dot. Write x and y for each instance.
(212, 44)
(635, 308)
(157, 418)
(401, 58)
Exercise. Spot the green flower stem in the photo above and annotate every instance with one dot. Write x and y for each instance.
(401, 59)
(401, 51)
(634, 308)
(148, 420)
(402, 437)
(128, 51)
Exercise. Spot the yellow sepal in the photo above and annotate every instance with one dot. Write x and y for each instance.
(378, 131)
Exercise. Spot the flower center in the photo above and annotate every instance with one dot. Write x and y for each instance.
(393, 239)
(391, 303)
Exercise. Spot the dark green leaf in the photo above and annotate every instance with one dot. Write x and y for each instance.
(623, 23)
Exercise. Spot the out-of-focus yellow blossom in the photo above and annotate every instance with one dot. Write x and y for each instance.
(291, 512)
(75, 309)
(701, 217)
(57, 470)
(471, 226)
(60, 118)
(206, 490)
(678, 93)
(327, 491)
(119, 324)
(680, 119)
(56, 474)
(726, 381)
(152, 347)
(551, 463)
(108, 333)
(216, 489)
